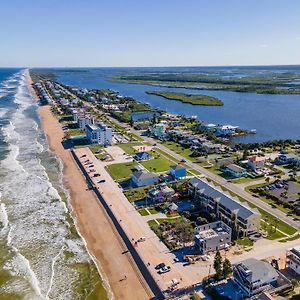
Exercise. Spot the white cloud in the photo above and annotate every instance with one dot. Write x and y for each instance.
(263, 46)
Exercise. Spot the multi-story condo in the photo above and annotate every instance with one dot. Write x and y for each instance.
(293, 259)
(239, 216)
(100, 134)
(84, 120)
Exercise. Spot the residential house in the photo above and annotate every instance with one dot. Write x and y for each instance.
(172, 207)
(177, 171)
(212, 199)
(254, 276)
(293, 259)
(158, 130)
(289, 159)
(161, 193)
(143, 178)
(235, 171)
(225, 130)
(142, 155)
(212, 237)
(256, 162)
(100, 134)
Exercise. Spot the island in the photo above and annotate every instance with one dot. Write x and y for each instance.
(195, 99)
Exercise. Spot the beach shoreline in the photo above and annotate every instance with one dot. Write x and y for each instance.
(91, 220)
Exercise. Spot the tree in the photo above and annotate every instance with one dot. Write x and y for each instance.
(227, 268)
(131, 121)
(218, 265)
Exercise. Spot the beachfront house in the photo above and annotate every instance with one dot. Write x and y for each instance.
(256, 162)
(100, 134)
(212, 237)
(142, 155)
(177, 171)
(235, 171)
(143, 178)
(243, 219)
(254, 276)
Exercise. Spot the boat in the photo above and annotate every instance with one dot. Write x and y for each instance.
(252, 131)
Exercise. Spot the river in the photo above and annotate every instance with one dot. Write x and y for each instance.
(273, 116)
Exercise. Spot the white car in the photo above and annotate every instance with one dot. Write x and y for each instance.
(142, 239)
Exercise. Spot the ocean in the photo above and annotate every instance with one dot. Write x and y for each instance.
(41, 254)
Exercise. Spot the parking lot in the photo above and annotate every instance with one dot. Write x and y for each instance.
(285, 190)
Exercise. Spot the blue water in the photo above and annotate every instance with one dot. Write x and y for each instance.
(273, 116)
(36, 229)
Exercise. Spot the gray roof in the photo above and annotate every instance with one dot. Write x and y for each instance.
(233, 204)
(260, 270)
(140, 175)
(177, 167)
(235, 168)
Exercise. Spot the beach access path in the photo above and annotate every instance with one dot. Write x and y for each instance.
(102, 240)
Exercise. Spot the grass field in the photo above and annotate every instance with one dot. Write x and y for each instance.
(158, 163)
(76, 131)
(128, 148)
(136, 194)
(198, 99)
(121, 171)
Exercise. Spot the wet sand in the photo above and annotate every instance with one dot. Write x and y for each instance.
(103, 242)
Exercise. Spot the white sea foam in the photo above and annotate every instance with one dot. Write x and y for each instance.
(36, 213)
(3, 216)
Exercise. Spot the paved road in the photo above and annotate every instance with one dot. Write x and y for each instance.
(230, 186)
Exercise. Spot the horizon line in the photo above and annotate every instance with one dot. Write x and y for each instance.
(167, 66)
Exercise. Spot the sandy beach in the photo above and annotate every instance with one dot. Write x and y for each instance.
(103, 242)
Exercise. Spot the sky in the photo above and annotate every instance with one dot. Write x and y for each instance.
(97, 33)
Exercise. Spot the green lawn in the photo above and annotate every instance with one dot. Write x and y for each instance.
(153, 211)
(185, 152)
(152, 223)
(136, 194)
(128, 148)
(244, 242)
(95, 148)
(143, 212)
(76, 131)
(121, 171)
(158, 163)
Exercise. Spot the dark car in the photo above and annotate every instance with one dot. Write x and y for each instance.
(101, 181)
(159, 266)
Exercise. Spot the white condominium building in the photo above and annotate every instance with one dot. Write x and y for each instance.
(100, 134)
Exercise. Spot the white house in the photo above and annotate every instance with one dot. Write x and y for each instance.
(293, 259)
(256, 162)
(254, 276)
(225, 130)
(100, 134)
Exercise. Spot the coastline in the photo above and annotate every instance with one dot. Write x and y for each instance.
(91, 220)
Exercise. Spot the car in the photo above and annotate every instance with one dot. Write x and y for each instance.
(101, 181)
(141, 239)
(84, 155)
(154, 144)
(183, 160)
(159, 266)
(164, 269)
(96, 175)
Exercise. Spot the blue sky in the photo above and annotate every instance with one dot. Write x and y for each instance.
(149, 32)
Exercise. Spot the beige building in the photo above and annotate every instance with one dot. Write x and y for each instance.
(239, 216)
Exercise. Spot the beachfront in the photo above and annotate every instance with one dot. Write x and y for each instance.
(93, 223)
